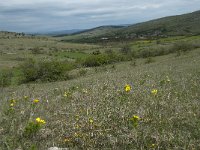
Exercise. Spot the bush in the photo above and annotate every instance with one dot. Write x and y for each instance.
(125, 50)
(30, 71)
(5, 78)
(149, 60)
(102, 59)
(97, 52)
(96, 60)
(145, 53)
(36, 50)
(82, 72)
(44, 70)
(182, 46)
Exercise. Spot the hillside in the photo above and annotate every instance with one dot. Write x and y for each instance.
(137, 94)
(186, 24)
(95, 112)
(93, 33)
(6, 34)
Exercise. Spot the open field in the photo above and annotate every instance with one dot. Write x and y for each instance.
(159, 109)
(13, 51)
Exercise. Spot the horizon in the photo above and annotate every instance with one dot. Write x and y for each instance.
(49, 16)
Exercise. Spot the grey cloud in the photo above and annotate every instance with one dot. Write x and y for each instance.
(38, 15)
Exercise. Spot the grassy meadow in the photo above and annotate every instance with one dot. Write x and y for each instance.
(149, 101)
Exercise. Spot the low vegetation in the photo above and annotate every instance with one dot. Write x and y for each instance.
(141, 94)
(55, 65)
(150, 106)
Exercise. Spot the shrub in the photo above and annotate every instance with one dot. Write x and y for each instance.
(182, 46)
(82, 72)
(96, 60)
(5, 78)
(45, 70)
(36, 50)
(103, 59)
(30, 71)
(97, 52)
(145, 53)
(125, 50)
(149, 60)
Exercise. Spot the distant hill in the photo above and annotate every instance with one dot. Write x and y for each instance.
(94, 33)
(58, 33)
(186, 24)
(7, 35)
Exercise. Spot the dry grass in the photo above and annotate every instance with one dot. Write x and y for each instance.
(94, 112)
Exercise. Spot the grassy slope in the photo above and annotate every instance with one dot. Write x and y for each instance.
(93, 33)
(169, 120)
(186, 24)
(175, 25)
(14, 51)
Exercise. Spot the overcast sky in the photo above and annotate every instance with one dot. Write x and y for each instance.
(55, 15)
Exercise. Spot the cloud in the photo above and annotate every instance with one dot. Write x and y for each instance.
(44, 15)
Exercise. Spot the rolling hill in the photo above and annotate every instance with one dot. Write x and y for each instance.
(186, 24)
(94, 33)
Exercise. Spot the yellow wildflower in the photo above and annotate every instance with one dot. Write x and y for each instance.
(154, 92)
(25, 97)
(67, 139)
(135, 118)
(127, 88)
(12, 104)
(36, 101)
(12, 101)
(153, 146)
(40, 121)
(65, 94)
(91, 120)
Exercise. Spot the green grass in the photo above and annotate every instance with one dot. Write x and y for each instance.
(179, 25)
(94, 112)
(15, 51)
(72, 55)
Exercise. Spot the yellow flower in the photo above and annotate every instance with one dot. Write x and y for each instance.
(67, 139)
(40, 121)
(91, 120)
(153, 145)
(154, 92)
(12, 101)
(127, 88)
(135, 118)
(12, 104)
(36, 101)
(67, 94)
